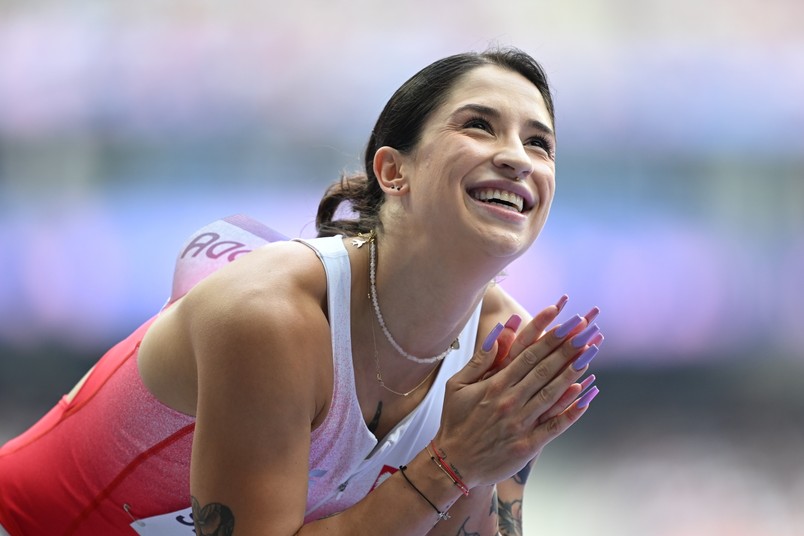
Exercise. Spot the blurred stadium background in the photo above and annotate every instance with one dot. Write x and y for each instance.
(680, 210)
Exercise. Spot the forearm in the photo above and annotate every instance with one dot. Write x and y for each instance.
(400, 506)
(509, 501)
(475, 515)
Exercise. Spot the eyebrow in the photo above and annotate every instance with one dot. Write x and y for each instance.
(491, 112)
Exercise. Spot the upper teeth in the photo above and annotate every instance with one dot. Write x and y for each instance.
(492, 194)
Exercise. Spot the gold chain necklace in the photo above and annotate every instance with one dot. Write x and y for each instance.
(379, 374)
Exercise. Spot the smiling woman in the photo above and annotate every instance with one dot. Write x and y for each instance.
(370, 380)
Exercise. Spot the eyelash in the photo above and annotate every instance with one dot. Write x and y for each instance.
(543, 142)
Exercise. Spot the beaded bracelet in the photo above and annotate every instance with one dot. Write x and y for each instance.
(442, 516)
(444, 466)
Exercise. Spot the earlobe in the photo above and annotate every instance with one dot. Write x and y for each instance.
(387, 169)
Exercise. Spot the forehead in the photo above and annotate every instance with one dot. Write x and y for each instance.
(499, 88)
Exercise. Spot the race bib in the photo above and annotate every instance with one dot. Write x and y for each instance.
(178, 523)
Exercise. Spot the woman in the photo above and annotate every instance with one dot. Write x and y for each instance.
(369, 381)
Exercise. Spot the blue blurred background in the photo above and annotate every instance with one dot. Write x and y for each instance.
(124, 127)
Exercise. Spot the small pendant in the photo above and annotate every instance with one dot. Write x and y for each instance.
(359, 242)
(362, 238)
(455, 344)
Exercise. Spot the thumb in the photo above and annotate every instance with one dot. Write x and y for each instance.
(482, 359)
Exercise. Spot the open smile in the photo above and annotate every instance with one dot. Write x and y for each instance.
(503, 198)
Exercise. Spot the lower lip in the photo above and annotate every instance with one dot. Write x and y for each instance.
(500, 212)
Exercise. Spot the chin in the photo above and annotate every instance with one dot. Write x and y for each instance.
(508, 244)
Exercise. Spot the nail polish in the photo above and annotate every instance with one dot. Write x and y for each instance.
(565, 328)
(597, 340)
(591, 315)
(562, 301)
(488, 344)
(588, 397)
(587, 382)
(583, 338)
(582, 360)
(514, 322)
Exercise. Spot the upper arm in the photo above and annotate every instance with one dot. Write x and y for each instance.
(258, 393)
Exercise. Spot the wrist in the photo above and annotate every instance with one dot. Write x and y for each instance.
(432, 482)
(439, 458)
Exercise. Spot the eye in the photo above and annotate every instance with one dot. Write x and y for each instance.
(479, 123)
(543, 143)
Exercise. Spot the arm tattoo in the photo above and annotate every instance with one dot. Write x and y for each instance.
(214, 519)
(510, 520)
(522, 476)
(462, 531)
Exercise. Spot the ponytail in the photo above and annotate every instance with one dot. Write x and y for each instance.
(364, 199)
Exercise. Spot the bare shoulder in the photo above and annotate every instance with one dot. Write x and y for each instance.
(498, 306)
(265, 315)
(497, 300)
(278, 279)
(260, 320)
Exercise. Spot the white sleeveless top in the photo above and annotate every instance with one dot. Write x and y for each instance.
(346, 460)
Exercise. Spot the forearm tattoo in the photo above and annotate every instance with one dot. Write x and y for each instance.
(462, 531)
(510, 517)
(522, 476)
(214, 519)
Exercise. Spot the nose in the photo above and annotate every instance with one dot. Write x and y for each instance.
(513, 159)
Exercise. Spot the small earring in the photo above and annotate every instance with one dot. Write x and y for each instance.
(397, 188)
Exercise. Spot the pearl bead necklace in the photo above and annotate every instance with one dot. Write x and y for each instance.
(380, 320)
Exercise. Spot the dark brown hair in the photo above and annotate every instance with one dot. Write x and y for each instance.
(400, 126)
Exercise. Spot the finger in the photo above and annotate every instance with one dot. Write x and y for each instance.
(501, 358)
(482, 360)
(546, 397)
(567, 398)
(535, 360)
(505, 340)
(579, 342)
(597, 340)
(591, 315)
(534, 329)
(553, 427)
(583, 402)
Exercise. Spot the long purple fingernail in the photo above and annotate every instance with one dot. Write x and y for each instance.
(514, 322)
(588, 397)
(591, 315)
(583, 338)
(582, 360)
(587, 382)
(488, 344)
(562, 301)
(597, 340)
(565, 328)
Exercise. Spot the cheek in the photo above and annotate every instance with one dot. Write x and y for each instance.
(546, 183)
(441, 171)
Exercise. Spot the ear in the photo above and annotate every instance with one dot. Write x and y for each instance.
(388, 170)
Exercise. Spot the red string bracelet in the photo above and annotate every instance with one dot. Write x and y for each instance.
(444, 466)
(438, 464)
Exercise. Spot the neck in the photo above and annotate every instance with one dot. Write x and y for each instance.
(426, 296)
